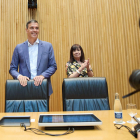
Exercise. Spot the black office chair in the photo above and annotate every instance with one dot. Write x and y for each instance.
(89, 93)
(30, 98)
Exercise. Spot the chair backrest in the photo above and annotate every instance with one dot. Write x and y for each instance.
(30, 98)
(88, 93)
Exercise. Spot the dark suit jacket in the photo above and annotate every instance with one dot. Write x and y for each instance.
(46, 64)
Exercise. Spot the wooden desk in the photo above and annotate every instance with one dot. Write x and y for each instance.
(106, 131)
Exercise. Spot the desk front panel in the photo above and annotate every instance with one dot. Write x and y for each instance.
(106, 131)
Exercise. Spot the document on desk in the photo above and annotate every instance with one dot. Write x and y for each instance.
(32, 120)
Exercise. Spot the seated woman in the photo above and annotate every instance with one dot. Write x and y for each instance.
(77, 65)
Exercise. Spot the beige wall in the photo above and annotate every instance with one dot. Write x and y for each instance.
(108, 31)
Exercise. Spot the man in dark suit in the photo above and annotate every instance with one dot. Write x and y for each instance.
(34, 57)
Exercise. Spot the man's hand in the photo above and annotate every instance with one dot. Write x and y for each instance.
(23, 80)
(38, 80)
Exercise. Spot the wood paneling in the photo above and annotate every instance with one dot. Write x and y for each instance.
(107, 30)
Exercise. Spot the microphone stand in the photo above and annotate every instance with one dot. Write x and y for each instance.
(131, 93)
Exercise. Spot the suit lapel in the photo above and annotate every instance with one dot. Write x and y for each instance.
(26, 54)
(40, 51)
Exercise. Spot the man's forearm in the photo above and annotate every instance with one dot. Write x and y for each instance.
(50, 71)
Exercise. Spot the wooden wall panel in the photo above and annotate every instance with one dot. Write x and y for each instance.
(108, 31)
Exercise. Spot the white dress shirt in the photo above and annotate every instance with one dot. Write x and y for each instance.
(33, 55)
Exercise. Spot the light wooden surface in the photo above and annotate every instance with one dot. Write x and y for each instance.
(107, 30)
(106, 131)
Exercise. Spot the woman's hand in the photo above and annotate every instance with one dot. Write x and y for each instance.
(87, 64)
(84, 65)
(66, 66)
(89, 72)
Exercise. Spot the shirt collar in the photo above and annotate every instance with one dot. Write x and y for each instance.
(36, 42)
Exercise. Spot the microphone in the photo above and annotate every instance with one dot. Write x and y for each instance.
(134, 81)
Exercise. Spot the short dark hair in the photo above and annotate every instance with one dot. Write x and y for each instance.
(31, 21)
(73, 48)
